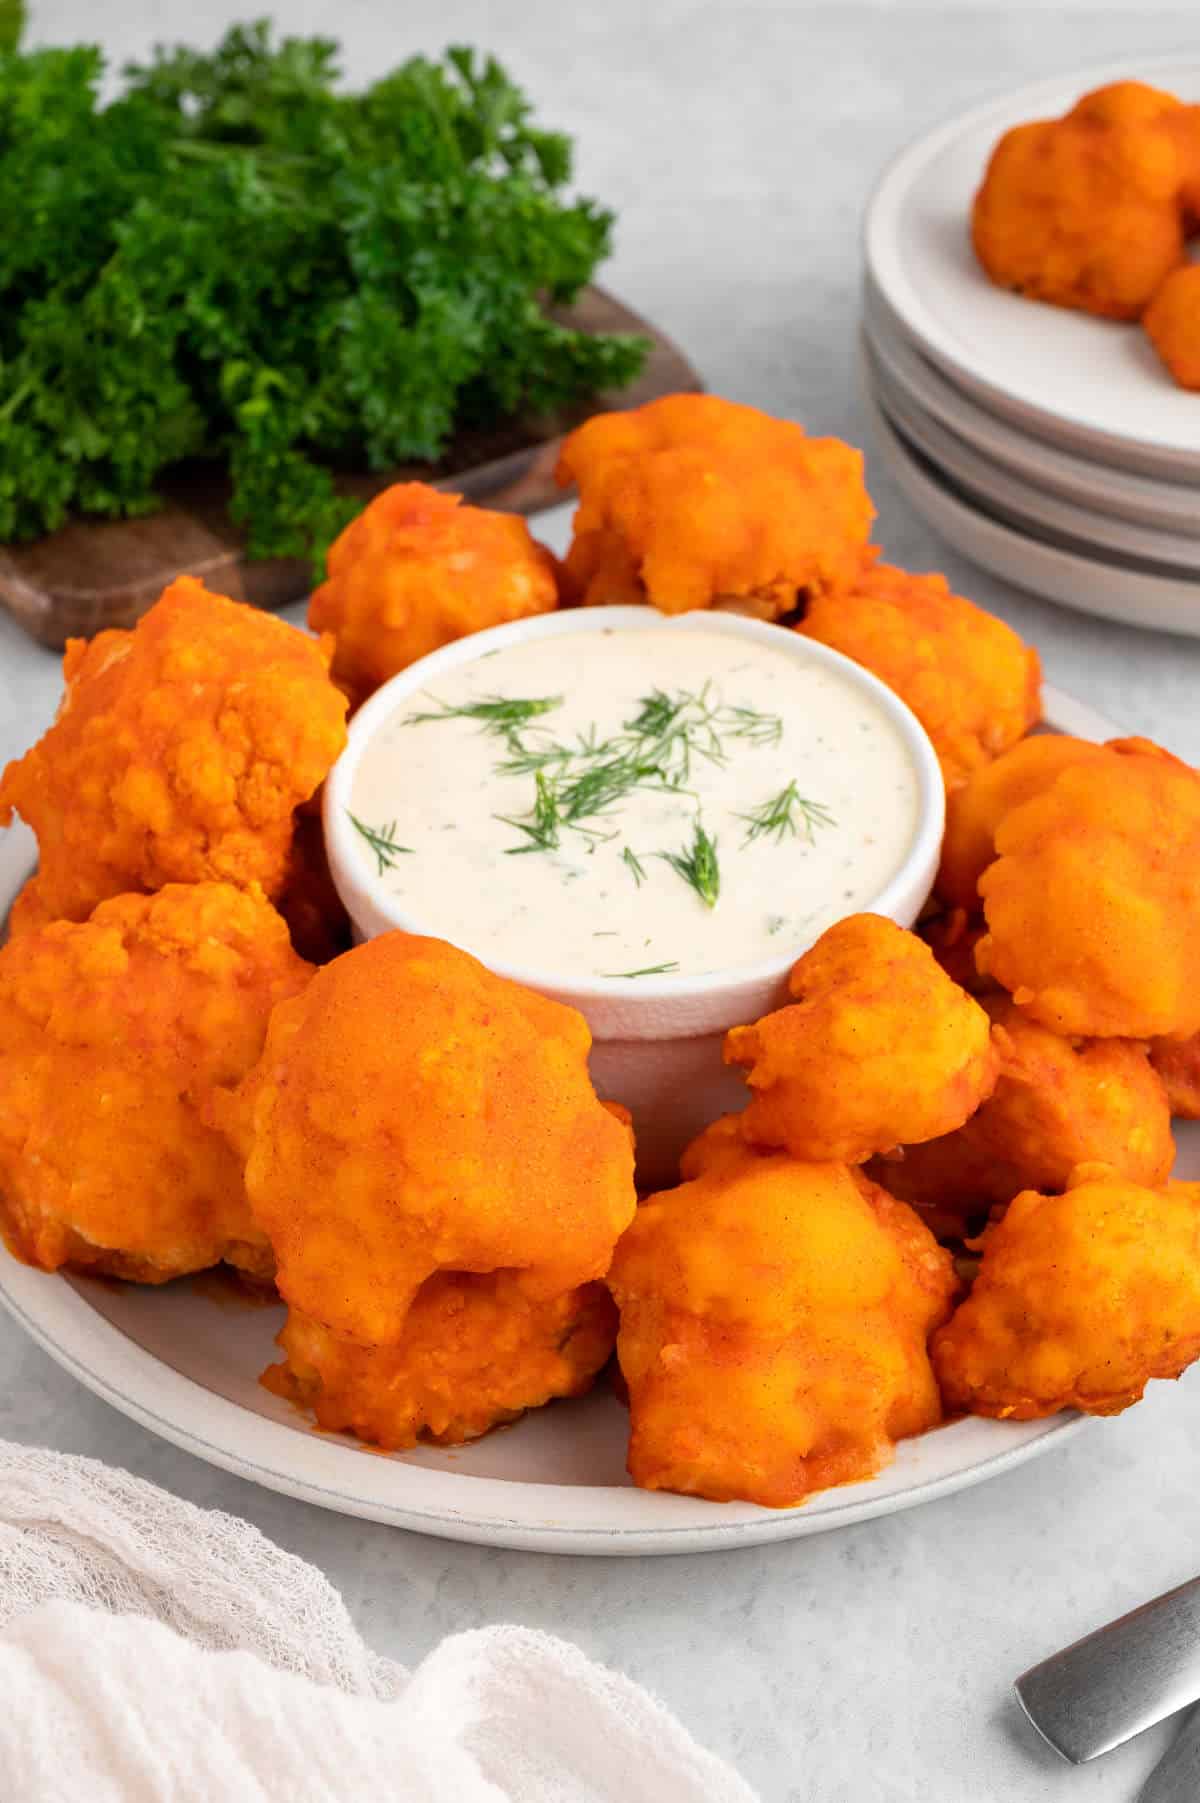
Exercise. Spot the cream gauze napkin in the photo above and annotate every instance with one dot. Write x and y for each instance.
(152, 1652)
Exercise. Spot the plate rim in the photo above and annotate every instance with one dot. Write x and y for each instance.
(1064, 575)
(1128, 494)
(880, 238)
(90, 1348)
(1016, 500)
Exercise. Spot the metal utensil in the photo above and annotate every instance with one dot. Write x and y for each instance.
(1176, 1777)
(1111, 1685)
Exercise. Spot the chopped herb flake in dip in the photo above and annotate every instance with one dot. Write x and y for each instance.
(635, 803)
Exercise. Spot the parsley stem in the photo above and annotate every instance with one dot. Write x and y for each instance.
(16, 400)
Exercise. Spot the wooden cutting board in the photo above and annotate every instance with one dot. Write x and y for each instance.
(93, 574)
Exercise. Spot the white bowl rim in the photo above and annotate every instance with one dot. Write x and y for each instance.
(931, 799)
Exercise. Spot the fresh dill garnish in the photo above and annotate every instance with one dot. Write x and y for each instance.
(648, 970)
(575, 783)
(749, 723)
(566, 797)
(630, 857)
(670, 730)
(598, 786)
(657, 713)
(674, 728)
(541, 826)
(653, 751)
(382, 840)
(498, 713)
(787, 814)
(524, 759)
(698, 865)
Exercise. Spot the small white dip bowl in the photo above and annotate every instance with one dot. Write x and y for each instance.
(656, 1040)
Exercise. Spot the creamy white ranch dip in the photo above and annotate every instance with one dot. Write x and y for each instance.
(634, 803)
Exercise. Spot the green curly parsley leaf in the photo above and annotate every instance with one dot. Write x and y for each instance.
(12, 24)
(236, 261)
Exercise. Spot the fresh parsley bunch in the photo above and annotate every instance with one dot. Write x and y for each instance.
(234, 260)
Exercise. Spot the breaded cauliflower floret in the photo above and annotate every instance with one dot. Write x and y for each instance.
(476, 1351)
(1184, 125)
(952, 938)
(1177, 1062)
(1059, 1103)
(720, 1143)
(1086, 211)
(693, 501)
(114, 1033)
(1093, 899)
(418, 569)
(972, 683)
(1080, 1300)
(976, 808)
(774, 1320)
(1172, 323)
(179, 753)
(878, 1049)
(29, 911)
(413, 1113)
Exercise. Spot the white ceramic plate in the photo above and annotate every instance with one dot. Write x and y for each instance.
(1100, 487)
(1081, 381)
(1024, 505)
(184, 1362)
(1115, 591)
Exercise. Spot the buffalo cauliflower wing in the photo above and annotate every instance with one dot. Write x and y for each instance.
(1058, 1103)
(975, 809)
(720, 1142)
(476, 1351)
(692, 501)
(114, 1034)
(1086, 211)
(417, 569)
(952, 938)
(972, 683)
(1184, 125)
(1172, 324)
(1177, 1062)
(1092, 902)
(878, 1049)
(412, 1113)
(29, 911)
(774, 1317)
(1080, 1300)
(178, 755)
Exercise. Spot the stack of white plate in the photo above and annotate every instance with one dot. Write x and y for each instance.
(1050, 447)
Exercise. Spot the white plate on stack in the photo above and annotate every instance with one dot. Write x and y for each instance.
(1050, 447)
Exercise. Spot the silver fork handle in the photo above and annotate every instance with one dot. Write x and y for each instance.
(1120, 1680)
